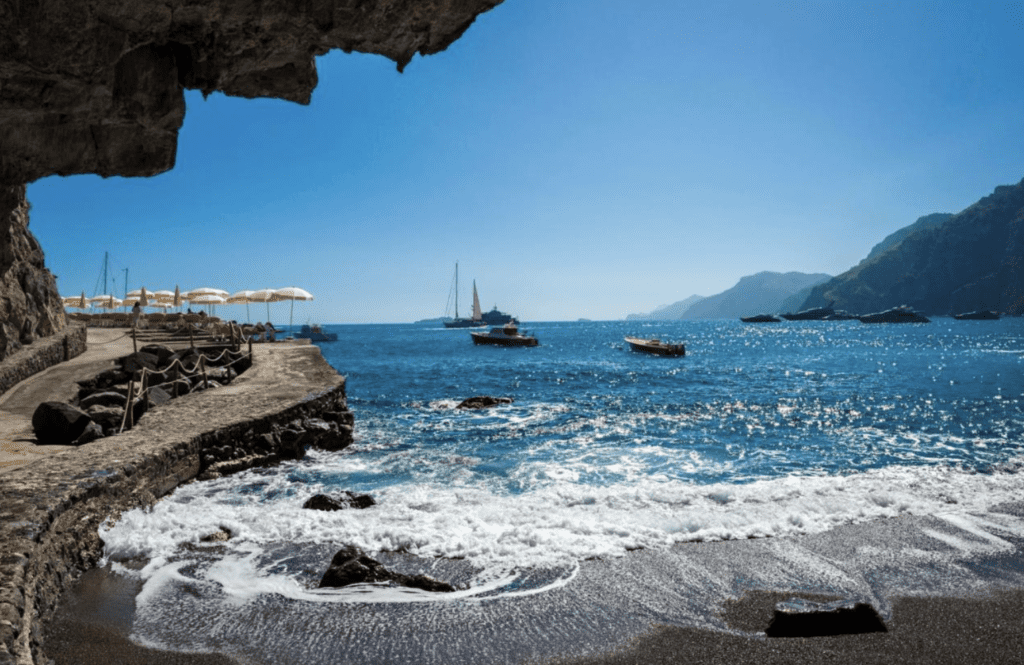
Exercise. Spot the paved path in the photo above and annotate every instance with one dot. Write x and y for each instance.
(57, 383)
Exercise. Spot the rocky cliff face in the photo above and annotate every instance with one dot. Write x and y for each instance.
(29, 304)
(971, 261)
(753, 294)
(97, 87)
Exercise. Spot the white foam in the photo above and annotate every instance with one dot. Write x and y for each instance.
(553, 526)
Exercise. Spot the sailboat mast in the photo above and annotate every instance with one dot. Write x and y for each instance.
(456, 289)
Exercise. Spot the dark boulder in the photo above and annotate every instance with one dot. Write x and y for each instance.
(162, 353)
(177, 388)
(798, 617)
(332, 439)
(138, 361)
(158, 396)
(340, 501)
(351, 566)
(108, 417)
(107, 398)
(217, 536)
(316, 425)
(483, 402)
(105, 379)
(59, 424)
(223, 375)
(92, 432)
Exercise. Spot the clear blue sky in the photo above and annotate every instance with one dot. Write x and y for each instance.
(579, 159)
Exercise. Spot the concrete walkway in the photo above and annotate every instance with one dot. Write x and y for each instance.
(17, 439)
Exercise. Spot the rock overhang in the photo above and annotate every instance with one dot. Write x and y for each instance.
(98, 87)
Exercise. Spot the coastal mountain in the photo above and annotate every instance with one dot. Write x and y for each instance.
(763, 292)
(667, 312)
(895, 238)
(970, 261)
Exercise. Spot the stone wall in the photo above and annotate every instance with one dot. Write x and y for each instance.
(41, 354)
(51, 510)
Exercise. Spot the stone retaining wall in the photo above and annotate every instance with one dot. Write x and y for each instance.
(51, 510)
(42, 354)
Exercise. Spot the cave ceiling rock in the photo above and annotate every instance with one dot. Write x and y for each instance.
(96, 86)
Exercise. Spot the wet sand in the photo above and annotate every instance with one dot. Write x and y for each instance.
(984, 625)
(92, 628)
(934, 631)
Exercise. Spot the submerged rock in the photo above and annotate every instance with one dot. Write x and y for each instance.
(798, 617)
(483, 402)
(217, 536)
(351, 565)
(339, 502)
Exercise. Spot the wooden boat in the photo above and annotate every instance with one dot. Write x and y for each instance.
(760, 318)
(656, 347)
(980, 315)
(901, 314)
(315, 334)
(507, 335)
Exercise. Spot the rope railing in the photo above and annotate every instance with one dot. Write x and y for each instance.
(131, 398)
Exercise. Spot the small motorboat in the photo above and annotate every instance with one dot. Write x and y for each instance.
(656, 347)
(980, 315)
(506, 335)
(760, 318)
(902, 314)
(315, 334)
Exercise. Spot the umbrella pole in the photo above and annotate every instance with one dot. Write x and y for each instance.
(290, 313)
(247, 312)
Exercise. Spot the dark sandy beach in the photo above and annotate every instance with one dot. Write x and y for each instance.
(984, 626)
(922, 630)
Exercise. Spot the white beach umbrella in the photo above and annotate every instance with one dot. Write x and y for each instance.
(206, 299)
(106, 302)
(292, 293)
(205, 291)
(163, 296)
(264, 295)
(238, 298)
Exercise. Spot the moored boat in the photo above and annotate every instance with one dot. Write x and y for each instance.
(814, 314)
(760, 318)
(841, 315)
(656, 346)
(506, 335)
(315, 333)
(902, 314)
(980, 315)
(478, 319)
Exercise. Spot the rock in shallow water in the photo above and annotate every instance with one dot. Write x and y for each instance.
(341, 501)
(798, 617)
(352, 566)
(483, 402)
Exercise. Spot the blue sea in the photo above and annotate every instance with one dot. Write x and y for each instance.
(759, 432)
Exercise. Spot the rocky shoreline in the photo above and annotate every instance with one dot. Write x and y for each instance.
(50, 511)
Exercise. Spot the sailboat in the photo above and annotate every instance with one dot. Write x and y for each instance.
(477, 320)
